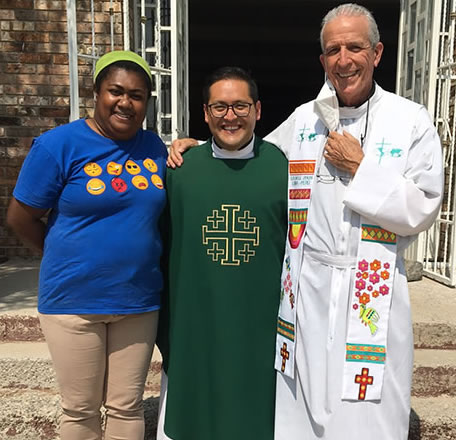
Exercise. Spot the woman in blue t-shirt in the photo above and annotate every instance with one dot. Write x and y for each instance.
(101, 180)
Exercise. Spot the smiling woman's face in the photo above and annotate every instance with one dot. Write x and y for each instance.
(121, 104)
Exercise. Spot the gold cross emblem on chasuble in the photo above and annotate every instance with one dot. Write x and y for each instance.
(230, 235)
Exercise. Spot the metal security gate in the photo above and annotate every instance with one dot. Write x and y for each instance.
(426, 75)
(157, 30)
(440, 244)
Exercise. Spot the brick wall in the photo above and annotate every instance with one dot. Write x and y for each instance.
(34, 80)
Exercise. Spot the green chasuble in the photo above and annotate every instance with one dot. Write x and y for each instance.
(227, 229)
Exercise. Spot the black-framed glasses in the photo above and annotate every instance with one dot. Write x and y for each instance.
(240, 109)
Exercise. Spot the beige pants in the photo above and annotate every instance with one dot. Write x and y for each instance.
(101, 360)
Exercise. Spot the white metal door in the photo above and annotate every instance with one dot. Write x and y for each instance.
(179, 68)
(426, 74)
(440, 245)
(159, 34)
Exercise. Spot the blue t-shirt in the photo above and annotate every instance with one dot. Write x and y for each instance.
(102, 246)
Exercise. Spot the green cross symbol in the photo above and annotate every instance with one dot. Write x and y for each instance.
(231, 235)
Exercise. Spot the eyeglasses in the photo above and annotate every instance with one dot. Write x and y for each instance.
(330, 178)
(240, 109)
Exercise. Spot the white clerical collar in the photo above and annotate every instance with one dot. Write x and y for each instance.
(326, 106)
(243, 153)
(357, 112)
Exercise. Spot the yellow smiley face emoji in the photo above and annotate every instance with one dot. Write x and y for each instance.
(150, 165)
(140, 182)
(114, 168)
(95, 187)
(157, 181)
(92, 169)
(132, 167)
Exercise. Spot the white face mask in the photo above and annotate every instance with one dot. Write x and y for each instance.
(326, 106)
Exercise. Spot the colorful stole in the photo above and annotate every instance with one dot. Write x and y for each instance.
(369, 314)
(308, 143)
(371, 294)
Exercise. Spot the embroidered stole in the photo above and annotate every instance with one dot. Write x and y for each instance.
(371, 294)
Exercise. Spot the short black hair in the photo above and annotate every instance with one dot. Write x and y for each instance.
(230, 72)
(125, 65)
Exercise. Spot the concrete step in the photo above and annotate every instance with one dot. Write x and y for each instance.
(433, 311)
(29, 399)
(433, 418)
(427, 334)
(434, 373)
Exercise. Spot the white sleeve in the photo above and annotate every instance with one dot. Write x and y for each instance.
(409, 202)
(282, 136)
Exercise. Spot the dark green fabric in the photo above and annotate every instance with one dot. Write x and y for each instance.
(220, 319)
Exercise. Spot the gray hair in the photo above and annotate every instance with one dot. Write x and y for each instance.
(352, 10)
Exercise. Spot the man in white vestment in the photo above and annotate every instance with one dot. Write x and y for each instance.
(365, 177)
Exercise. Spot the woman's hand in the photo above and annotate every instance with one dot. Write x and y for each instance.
(26, 223)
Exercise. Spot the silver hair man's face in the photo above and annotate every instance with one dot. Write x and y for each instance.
(349, 59)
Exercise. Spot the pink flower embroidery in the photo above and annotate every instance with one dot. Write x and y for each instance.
(288, 276)
(375, 293)
(358, 274)
(364, 298)
(375, 265)
(363, 265)
(374, 278)
(355, 306)
(357, 294)
(369, 288)
(384, 290)
(287, 289)
(386, 265)
(385, 274)
(360, 284)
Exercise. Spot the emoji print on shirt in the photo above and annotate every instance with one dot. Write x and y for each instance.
(140, 182)
(95, 187)
(157, 181)
(132, 167)
(150, 165)
(92, 169)
(114, 168)
(118, 184)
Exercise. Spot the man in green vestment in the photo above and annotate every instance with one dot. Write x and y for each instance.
(226, 236)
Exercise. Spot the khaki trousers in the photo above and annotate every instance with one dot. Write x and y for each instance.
(101, 360)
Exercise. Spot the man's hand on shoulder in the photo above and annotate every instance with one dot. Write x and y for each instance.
(179, 147)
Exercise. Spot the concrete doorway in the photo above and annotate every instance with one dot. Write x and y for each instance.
(278, 43)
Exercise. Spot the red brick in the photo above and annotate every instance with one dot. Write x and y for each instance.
(49, 5)
(51, 69)
(60, 59)
(55, 16)
(9, 57)
(32, 79)
(18, 4)
(36, 37)
(22, 132)
(51, 27)
(27, 15)
(55, 111)
(19, 68)
(36, 58)
(6, 14)
(11, 46)
(28, 26)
